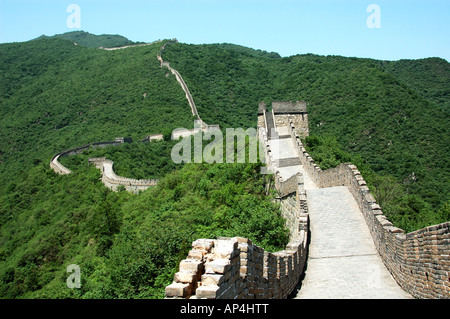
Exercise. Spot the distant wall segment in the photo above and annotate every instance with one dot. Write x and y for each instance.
(114, 181)
(109, 177)
(62, 170)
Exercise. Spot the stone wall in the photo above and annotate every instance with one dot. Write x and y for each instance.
(419, 261)
(109, 177)
(300, 122)
(179, 79)
(235, 268)
(62, 170)
(114, 181)
(185, 88)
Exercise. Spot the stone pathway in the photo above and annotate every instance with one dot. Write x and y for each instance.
(343, 262)
(283, 153)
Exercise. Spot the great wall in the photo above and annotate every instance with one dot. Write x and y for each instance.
(109, 178)
(341, 245)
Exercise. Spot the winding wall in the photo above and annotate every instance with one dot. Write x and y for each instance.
(183, 85)
(114, 181)
(62, 170)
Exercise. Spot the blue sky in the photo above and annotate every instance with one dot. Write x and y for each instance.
(409, 29)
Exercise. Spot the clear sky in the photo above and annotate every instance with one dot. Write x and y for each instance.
(408, 29)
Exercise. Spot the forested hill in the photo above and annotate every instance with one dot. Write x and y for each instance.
(389, 118)
(428, 77)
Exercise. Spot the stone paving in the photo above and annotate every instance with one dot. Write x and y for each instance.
(342, 262)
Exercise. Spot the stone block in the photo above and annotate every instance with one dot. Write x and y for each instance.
(394, 230)
(181, 290)
(203, 244)
(212, 279)
(207, 292)
(190, 265)
(383, 221)
(184, 277)
(219, 266)
(195, 254)
(225, 249)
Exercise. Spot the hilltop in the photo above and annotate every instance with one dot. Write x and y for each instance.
(93, 41)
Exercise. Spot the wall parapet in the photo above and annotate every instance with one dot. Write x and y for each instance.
(419, 261)
(62, 170)
(114, 181)
(235, 268)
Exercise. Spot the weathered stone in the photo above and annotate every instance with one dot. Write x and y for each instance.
(190, 265)
(203, 244)
(196, 254)
(212, 279)
(219, 266)
(183, 277)
(181, 290)
(207, 292)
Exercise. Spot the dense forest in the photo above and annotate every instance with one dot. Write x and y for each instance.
(390, 118)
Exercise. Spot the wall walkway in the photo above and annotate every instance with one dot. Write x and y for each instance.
(343, 261)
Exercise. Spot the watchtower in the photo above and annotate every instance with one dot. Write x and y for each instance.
(281, 113)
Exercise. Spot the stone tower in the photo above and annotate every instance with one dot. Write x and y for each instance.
(282, 111)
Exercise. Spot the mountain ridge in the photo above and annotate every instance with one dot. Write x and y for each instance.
(91, 40)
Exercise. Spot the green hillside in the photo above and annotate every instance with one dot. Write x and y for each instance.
(57, 96)
(389, 118)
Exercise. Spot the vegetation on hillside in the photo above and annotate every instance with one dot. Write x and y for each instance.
(58, 96)
(127, 246)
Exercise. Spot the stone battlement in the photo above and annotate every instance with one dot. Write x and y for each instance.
(109, 177)
(282, 112)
